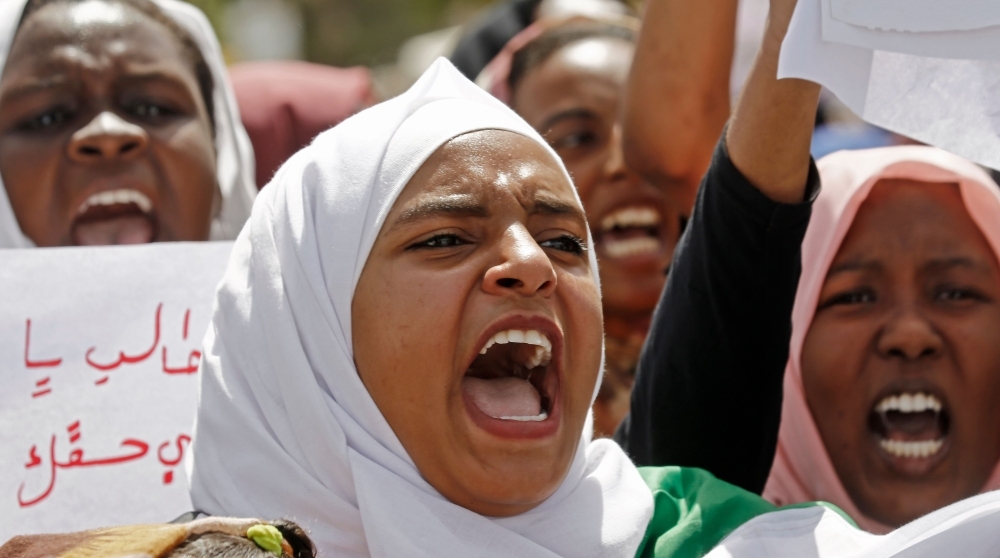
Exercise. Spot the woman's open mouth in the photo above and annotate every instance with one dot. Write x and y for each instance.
(512, 386)
(911, 428)
(122, 216)
(632, 231)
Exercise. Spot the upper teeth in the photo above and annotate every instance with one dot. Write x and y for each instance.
(543, 352)
(909, 403)
(122, 196)
(631, 217)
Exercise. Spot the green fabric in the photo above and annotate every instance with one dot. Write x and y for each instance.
(693, 511)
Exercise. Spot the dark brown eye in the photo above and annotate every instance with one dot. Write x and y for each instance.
(566, 243)
(850, 298)
(439, 241)
(48, 119)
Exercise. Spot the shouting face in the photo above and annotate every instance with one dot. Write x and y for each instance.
(901, 364)
(104, 135)
(477, 322)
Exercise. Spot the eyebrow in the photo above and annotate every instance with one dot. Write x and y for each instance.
(946, 264)
(854, 265)
(545, 205)
(938, 265)
(32, 86)
(566, 115)
(461, 205)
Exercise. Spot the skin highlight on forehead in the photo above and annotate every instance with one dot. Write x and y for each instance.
(96, 12)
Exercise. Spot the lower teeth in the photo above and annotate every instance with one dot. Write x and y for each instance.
(900, 448)
(536, 418)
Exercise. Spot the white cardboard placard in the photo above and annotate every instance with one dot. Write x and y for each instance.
(99, 349)
(930, 96)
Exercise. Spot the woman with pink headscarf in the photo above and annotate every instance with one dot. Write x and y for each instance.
(891, 384)
(892, 353)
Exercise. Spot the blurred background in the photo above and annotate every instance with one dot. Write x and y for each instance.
(397, 39)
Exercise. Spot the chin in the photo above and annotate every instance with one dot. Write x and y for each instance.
(498, 499)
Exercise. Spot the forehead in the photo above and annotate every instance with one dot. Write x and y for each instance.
(592, 71)
(607, 57)
(93, 33)
(488, 166)
(909, 219)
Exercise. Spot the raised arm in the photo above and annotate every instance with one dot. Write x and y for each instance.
(709, 382)
(772, 126)
(678, 92)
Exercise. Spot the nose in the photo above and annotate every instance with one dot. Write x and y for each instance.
(106, 138)
(614, 165)
(909, 335)
(523, 269)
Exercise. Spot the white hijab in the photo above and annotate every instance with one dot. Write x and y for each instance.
(234, 153)
(285, 427)
(968, 528)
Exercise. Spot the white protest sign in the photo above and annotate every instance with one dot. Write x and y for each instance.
(960, 29)
(919, 91)
(99, 350)
(917, 16)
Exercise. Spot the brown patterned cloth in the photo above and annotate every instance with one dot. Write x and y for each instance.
(132, 541)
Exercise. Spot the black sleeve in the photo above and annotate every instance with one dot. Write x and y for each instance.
(490, 34)
(709, 380)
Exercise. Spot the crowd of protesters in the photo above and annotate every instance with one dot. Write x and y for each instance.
(647, 316)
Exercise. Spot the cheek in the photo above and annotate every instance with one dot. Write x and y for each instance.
(978, 357)
(29, 170)
(404, 339)
(186, 157)
(832, 359)
(586, 172)
(584, 336)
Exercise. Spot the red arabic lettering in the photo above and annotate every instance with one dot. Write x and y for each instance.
(42, 389)
(192, 365)
(27, 350)
(76, 459)
(126, 359)
(181, 441)
(35, 460)
(187, 319)
(168, 476)
(52, 479)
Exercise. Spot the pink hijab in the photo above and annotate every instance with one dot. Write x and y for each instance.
(802, 470)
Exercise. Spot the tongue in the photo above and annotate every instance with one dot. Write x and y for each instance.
(912, 426)
(503, 397)
(127, 229)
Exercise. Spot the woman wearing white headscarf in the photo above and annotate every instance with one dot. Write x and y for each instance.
(117, 125)
(407, 342)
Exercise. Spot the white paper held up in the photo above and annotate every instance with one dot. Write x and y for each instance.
(950, 103)
(99, 353)
(960, 29)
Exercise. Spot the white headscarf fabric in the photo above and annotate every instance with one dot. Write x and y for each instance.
(285, 426)
(968, 528)
(234, 153)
